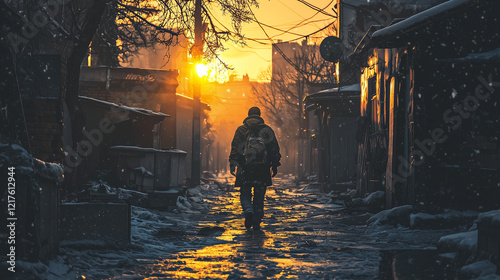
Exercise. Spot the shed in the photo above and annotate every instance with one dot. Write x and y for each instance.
(337, 110)
(148, 169)
(428, 97)
(109, 124)
(151, 89)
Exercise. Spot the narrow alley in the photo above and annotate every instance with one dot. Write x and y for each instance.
(374, 124)
(304, 236)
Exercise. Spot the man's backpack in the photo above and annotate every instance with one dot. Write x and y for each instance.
(255, 151)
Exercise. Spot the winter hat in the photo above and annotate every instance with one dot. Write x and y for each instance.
(254, 111)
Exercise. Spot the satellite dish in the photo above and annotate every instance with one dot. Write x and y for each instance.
(331, 49)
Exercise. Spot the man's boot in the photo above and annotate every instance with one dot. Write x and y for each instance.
(248, 220)
(256, 225)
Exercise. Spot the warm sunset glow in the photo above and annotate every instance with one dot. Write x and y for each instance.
(217, 72)
(201, 70)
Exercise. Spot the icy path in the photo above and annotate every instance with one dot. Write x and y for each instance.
(303, 236)
(300, 239)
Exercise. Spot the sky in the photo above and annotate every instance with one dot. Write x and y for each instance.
(283, 14)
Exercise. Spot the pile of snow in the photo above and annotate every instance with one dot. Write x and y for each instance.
(373, 202)
(130, 196)
(395, 216)
(465, 246)
(374, 197)
(102, 187)
(312, 178)
(196, 191)
(448, 219)
(26, 164)
(480, 270)
(194, 201)
(191, 203)
(155, 234)
(184, 204)
(405, 216)
(349, 193)
(51, 171)
(464, 241)
(55, 270)
(490, 218)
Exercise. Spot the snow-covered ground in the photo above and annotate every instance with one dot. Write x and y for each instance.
(304, 236)
(465, 247)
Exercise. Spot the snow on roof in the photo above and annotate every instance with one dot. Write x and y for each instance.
(490, 55)
(419, 19)
(354, 87)
(205, 105)
(141, 149)
(346, 93)
(141, 111)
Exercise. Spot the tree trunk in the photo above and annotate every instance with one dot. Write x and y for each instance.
(72, 79)
(301, 134)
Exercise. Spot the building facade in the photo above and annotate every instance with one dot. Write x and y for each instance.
(427, 100)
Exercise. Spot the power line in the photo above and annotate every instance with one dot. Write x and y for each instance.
(275, 28)
(266, 25)
(257, 54)
(293, 10)
(298, 24)
(277, 48)
(315, 8)
(272, 27)
(291, 40)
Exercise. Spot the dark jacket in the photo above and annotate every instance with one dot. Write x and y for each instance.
(259, 173)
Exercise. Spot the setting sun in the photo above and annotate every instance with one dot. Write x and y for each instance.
(201, 69)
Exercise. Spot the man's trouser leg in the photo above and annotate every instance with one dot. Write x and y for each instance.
(246, 199)
(259, 193)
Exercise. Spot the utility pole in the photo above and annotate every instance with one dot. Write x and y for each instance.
(197, 54)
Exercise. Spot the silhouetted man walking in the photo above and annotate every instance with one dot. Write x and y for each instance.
(255, 152)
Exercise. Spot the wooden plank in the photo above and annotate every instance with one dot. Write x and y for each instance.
(390, 149)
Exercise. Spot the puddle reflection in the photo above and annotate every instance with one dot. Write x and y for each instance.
(209, 262)
(251, 254)
(288, 247)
